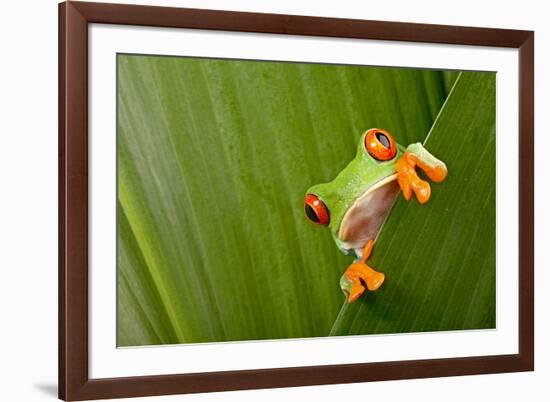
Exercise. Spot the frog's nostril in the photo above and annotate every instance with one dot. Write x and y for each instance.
(316, 210)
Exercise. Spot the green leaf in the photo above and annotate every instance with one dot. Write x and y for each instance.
(439, 258)
(141, 314)
(449, 79)
(214, 158)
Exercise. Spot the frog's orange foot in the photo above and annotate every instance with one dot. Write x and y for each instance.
(359, 274)
(408, 178)
(409, 181)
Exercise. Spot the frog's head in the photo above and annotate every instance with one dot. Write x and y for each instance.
(355, 204)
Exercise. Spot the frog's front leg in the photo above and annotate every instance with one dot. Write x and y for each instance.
(417, 155)
(358, 273)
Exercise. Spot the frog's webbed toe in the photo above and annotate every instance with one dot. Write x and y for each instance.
(359, 274)
(417, 155)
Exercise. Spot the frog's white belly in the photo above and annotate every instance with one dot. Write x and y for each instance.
(363, 219)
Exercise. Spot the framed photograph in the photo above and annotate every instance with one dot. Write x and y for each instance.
(258, 200)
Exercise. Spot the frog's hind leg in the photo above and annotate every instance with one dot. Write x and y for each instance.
(358, 274)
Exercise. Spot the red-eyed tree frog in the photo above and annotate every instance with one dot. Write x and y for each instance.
(355, 204)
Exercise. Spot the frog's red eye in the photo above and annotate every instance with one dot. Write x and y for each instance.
(380, 144)
(316, 210)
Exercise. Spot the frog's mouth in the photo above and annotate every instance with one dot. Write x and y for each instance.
(363, 219)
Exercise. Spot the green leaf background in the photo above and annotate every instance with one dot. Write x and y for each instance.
(214, 158)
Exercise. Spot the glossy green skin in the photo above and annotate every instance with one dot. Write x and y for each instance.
(353, 181)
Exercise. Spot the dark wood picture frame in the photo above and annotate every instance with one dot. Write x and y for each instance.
(74, 381)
